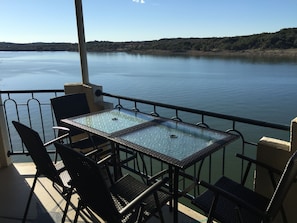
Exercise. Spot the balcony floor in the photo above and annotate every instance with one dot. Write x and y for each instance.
(47, 205)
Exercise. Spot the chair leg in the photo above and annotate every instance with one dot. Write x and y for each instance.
(238, 215)
(68, 198)
(79, 206)
(212, 209)
(159, 207)
(29, 199)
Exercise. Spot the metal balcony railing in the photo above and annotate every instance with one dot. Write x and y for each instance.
(220, 163)
(32, 107)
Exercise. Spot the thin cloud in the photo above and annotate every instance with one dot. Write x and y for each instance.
(139, 1)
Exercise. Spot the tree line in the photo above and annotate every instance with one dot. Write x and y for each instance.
(283, 39)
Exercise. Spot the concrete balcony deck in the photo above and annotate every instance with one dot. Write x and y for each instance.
(47, 205)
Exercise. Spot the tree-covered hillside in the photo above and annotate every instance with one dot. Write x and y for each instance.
(284, 39)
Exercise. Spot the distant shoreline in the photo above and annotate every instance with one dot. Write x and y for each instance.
(277, 53)
(281, 44)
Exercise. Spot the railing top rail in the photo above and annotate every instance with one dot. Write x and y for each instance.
(31, 91)
(202, 112)
(191, 110)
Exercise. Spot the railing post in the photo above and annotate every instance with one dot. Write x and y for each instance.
(93, 93)
(4, 143)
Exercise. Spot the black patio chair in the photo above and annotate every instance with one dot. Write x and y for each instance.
(125, 200)
(229, 201)
(44, 166)
(71, 105)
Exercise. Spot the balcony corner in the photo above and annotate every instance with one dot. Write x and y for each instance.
(276, 153)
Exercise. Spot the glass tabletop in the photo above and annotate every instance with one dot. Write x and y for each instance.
(113, 120)
(176, 143)
(174, 139)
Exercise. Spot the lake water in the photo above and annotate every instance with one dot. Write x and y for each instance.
(246, 87)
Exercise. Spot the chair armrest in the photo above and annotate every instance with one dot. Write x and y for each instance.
(61, 128)
(241, 203)
(56, 139)
(141, 197)
(264, 165)
(157, 175)
(104, 160)
(98, 152)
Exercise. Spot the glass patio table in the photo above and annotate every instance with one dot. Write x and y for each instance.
(178, 144)
(107, 122)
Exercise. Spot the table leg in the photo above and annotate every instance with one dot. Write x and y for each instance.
(116, 161)
(175, 194)
(170, 187)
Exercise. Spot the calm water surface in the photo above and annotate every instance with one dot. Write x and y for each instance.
(253, 88)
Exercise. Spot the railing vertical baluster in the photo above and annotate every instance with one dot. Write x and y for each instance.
(223, 161)
(209, 168)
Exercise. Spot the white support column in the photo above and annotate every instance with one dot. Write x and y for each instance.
(81, 42)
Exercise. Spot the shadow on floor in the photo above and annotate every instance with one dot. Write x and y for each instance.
(14, 192)
(47, 205)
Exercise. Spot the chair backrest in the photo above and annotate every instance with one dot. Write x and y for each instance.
(38, 153)
(70, 105)
(88, 180)
(285, 182)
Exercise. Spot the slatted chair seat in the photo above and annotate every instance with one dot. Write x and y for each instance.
(127, 188)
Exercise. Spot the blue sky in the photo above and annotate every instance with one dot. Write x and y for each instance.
(25, 21)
